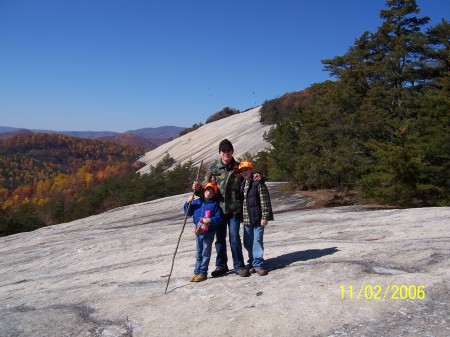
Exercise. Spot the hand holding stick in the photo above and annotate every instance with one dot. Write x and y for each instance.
(182, 229)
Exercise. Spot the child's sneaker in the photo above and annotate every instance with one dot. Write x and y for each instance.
(192, 278)
(200, 278)
(261, 271)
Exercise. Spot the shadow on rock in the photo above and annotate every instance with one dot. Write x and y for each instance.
(285, 260)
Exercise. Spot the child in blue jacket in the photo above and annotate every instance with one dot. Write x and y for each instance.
(207, 215)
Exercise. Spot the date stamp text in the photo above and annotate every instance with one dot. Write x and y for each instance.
(380, 293)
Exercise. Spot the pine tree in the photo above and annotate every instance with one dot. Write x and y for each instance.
(383, 124)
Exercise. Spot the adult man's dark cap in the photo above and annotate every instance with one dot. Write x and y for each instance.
(225, 144)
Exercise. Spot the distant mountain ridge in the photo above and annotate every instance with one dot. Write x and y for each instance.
(148, 138)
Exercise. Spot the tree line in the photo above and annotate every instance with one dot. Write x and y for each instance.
(382, 126)
(224, 113)
(95, 188)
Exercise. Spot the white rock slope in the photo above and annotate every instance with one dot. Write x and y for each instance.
(333, 272)
(244, 130)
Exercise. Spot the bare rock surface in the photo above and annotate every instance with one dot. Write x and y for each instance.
(333, 272)
(244, 130)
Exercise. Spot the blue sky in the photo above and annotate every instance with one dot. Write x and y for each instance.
(109, 65)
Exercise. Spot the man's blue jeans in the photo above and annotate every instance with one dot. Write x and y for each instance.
(203, 253)
(253, 243)
(233, 222)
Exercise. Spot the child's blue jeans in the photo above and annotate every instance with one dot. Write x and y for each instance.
(203, 255)
(253, 243)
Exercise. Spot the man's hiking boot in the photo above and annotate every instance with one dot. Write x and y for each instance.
(252, 270)
(192, 278)
(243, 272)
(200, 278)
(261, 271)
(219, 271)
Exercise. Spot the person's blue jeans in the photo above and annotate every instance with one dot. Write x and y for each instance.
(203, 254)
(253, 243)
(232, 222)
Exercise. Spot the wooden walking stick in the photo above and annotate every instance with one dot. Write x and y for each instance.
(182, 229)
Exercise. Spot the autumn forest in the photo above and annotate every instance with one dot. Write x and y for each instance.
(47, 179)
